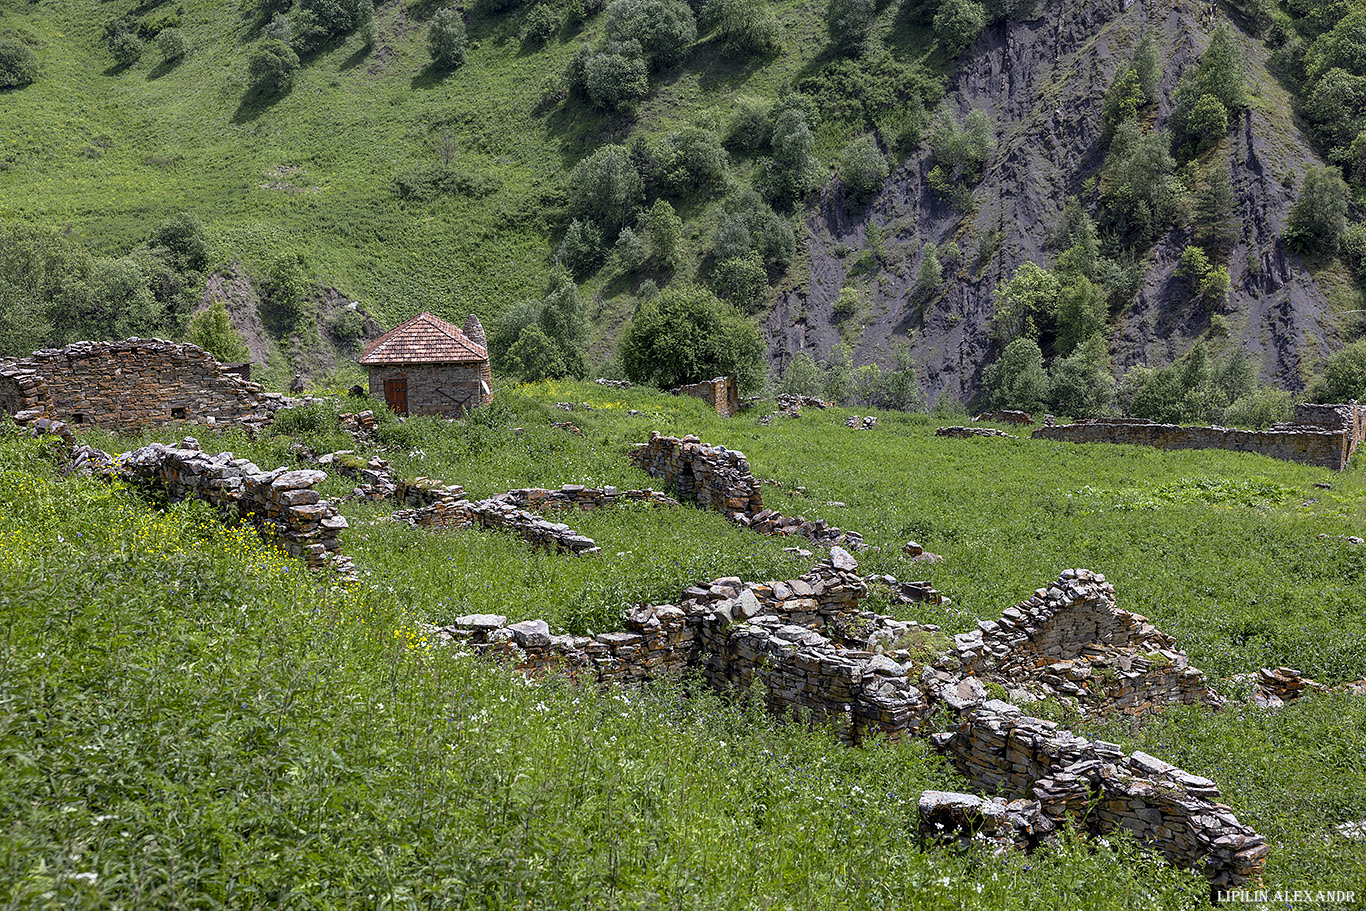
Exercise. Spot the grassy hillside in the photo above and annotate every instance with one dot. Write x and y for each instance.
(191, 720)
(105, 151)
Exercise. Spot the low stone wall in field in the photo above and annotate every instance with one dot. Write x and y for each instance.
(719, 478)
(720, 393)
(497, 515)
(1001, 750)
(1072, 642)
(282, 504)
(575, 496)
(1322, 435)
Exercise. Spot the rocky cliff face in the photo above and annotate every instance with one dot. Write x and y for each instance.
(1043, 81)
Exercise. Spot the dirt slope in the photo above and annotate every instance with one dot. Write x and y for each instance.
(1043, 81)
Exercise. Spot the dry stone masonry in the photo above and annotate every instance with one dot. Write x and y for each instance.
(718, 478)
(1005, 417)
(282, 504)
(1070, 641)
(1322, 435)
(814, 655)
(1003, 751)
(497, 514)
(130, 385)
(720, 393)
(966, 432)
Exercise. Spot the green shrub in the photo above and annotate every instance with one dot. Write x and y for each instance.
(172, 44)
(848, 22)
(1319, 217)
(1260, 409)
(605, 189)
(746, 224)
(1343, 378)
(629, 251)
(792, 171)
(446, 38)
(534, 357)
(847, 302)
(691, 160)
(862, 169)
(126, 48)
(665, 29)
(802, 376)
(664, 230)
(958, 23)
(212, 330)
(616, 79)
(1017, 379)
(741, 280)
(18, 64)
(687, 335)
(750, 127)
(271, 68)
(581, 251)
(541, 23)
(747, 26)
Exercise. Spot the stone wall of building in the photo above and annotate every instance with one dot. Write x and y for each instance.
(576, 496)
(129, 385)
(282, 504)
(720, 393)
(1322, 435)
(1071, 641)
(450, 390)
(1001, 750)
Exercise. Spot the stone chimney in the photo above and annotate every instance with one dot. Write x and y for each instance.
(474, 331)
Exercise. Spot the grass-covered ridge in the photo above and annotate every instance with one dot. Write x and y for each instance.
(264, 739)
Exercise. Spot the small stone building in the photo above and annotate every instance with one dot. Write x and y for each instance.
(128, 385)
(430, 366)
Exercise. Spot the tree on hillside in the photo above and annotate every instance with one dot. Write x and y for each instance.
(686, 335)
(605, 188)
(212, 330)
(1319, 216)
(958, 23)
(665, 29)
(18, 64)
(1017, 379)
(271, 68)
(1343, 378)
(862, 169)
(446, 38)
(848, 22)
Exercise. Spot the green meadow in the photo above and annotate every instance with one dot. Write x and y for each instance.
(190, 719)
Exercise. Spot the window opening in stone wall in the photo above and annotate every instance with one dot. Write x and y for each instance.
(78, 418)
(179, 413)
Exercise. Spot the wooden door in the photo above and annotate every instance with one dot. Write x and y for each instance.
(396, 395)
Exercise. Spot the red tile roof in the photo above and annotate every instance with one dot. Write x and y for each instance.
(424, 339)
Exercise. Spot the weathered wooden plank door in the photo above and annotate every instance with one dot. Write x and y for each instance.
(396, 395)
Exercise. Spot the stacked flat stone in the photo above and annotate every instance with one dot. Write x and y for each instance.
(614, 384)
(131, 385)
(282, 504)
(499, 515)
(946, 816)
(788, 402)
(1005, 417)
(720, 393)
(719, 478)
(965, 432)
(1070, 640)
(854, 422)
(1274, 687)
(1000, 749)
(576, 496)
(377, 482)
(1321, 435)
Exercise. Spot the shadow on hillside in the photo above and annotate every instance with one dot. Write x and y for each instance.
(253, 105)
(357, 57)
(430, 77)
(161, 69)
(118, 69)
(719, 69)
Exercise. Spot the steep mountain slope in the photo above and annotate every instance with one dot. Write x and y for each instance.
(1043, 81)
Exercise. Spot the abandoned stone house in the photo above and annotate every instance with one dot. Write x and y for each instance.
(430, 366)
(128, 385)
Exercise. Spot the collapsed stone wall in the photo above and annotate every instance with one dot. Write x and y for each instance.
(1071, 641)
(576, 496)
(1001, 750)
(814, 654)
(1322, 435)
(282, 504)
(1005, 417)
(964, 433)
(129, 385)
(719, 478)
(720, 393)
(499, 515)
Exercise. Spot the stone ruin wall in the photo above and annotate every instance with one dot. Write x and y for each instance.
(721, 394)
(129, 385)
(282, 504)
(1001, 750)
(497, 514)
(1070, 641)
(719, 478)
(816, 656)
(1320, 435)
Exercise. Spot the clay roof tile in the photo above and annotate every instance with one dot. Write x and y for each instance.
(424, 339)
